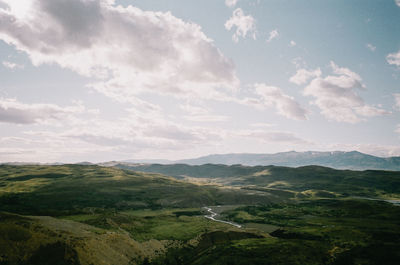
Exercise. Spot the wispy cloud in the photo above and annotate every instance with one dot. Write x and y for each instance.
(231, 3)
(271, 96)
(201, 114)
(273, 35)
(371, 47)
(125, 135)
(13, 111)
(11, 65)
(394, 58)
(273, 136)
(299, 62)
(245, 24)
(396, 101)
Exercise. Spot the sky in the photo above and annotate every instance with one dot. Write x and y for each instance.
(101, 80)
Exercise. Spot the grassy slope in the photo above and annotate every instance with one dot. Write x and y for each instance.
(73, 189)
(121, 210)
(372, 183)
(46, 240)
(140, 218)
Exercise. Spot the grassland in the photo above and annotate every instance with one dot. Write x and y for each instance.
(76, 189)
(76, 214)
(302, 180)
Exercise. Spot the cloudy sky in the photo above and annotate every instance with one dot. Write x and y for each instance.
(100, 80)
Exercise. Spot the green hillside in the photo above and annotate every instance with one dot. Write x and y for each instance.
(66, 189)
(88, 214)
(369, 183)
(38, 240)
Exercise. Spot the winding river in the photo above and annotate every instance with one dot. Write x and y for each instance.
(211, 215)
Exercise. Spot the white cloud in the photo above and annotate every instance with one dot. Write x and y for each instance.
(207, 118)
(272, 136)
(274, 97)
(20, 8)
(394, 58)
(173, 132)
(11, 65)
(194, 110)
(127, 49)
(302, 76)
(3, 5)
(125, 136)
(48, 147)
(397, 101)
(273, 35)
(397, 2)
(231, 3)
(122, 139)
(371, 47)
(337, 98)
(13, 111)
(146, 130)
(201, 114)
(244, 24)
(398, 128)
(292, 43)
(263, 125)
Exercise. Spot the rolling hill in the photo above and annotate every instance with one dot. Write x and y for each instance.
(370, 183)
(90, 214)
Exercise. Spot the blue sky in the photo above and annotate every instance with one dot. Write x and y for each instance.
(102, 80)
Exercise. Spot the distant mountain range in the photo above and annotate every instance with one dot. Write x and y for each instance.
(341, 160)
(353, 160)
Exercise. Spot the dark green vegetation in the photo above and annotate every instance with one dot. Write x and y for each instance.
(74, 189)
(87, 214)
(302, 181)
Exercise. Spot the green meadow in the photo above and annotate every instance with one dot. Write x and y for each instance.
(88, 214)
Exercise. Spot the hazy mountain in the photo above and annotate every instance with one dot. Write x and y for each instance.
(337, 159)
(149, 161)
